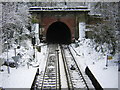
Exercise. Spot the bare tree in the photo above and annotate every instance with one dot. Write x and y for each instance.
(107, 31)
(15, 20)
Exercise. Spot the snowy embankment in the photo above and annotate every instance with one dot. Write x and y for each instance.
(22, 76)
(18, 78)
(96, 62)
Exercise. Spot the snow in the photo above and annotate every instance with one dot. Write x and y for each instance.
(62, 76)
(96, 62)
(24, 75)
(42, 57)
(82, 30)
(18, 78)
(105, 77)
(87, 56)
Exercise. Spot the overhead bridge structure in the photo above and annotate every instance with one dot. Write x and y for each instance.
(59, 24)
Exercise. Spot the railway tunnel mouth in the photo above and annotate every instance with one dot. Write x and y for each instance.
(58, 32)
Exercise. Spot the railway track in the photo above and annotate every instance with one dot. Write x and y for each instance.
(51, 76)
(75, 79)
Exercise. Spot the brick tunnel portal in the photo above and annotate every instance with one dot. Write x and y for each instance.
(59, 24)
(58, 32)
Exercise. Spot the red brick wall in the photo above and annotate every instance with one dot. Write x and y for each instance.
(68, 20)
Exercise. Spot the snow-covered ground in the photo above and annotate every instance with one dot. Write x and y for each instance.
(18, 78)
(96, 61)
(23, 76)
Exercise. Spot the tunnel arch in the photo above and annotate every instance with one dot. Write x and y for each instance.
(58, 32)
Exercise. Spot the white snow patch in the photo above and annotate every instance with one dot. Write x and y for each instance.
(96, 61)
(23, 76)
(18, 78)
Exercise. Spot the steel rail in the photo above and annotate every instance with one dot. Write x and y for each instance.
(67, 72)
(57, 70)
(78, 68)
(45, 71)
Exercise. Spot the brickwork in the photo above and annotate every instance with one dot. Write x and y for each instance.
(67, 18)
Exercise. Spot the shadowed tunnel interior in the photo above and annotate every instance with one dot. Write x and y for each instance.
(58, 32)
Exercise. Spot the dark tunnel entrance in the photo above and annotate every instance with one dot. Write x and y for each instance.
(58, 32)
